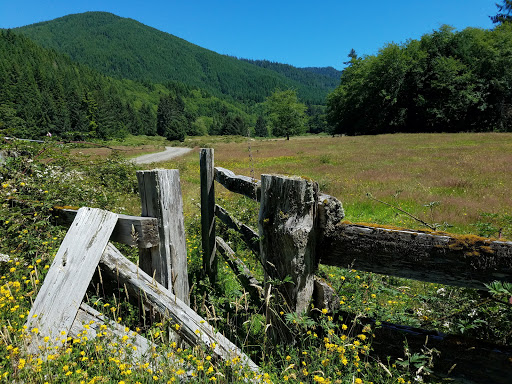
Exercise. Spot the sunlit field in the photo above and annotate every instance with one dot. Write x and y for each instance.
(458, 183)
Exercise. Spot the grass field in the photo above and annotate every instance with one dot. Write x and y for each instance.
(460, 182)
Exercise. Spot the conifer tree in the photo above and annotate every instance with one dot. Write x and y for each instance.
(504, 13)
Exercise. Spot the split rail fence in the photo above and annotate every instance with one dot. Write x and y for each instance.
(160, 281)
(300, 228)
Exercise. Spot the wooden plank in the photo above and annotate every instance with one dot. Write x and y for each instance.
(243, 185)
(191, 327)
(141, 232)
(287, 224)
(244, 275)
(249, 235)
(208, 213)
(160, 192)
(64, 287)
(465, 261)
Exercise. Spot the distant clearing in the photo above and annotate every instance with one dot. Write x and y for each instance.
(441, 178)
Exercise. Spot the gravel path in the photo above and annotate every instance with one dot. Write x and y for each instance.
(169, 153)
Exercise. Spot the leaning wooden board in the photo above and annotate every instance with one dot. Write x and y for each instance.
(64, 287)
(188, 324)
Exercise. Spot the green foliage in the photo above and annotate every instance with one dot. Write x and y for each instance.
(42, 91)
(286, 114)
(445, 82)
(500, 289)
(261, 129)
(504, 13)
(171, 121)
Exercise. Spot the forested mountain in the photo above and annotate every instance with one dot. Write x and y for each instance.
(125, 48)
(445, 82)
(328, 77)
(43, 91)
(331, 72)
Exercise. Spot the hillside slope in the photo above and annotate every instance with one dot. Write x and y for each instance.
(125, 48)
(311, 76)
(42, 91)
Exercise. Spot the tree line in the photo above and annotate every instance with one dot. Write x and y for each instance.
(447, 81)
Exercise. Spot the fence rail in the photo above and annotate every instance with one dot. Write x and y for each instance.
(460, 260)
(160, 281)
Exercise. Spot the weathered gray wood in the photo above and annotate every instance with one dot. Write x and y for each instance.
(192, 328)
(95, 320)
(330, 209)
(244, 275)
(288, 231)
(324, 296)
(249, 235)
(243, 185)
(330, 212)
(160, 192)
(460, 260)
(64, 286)
(208, 213)
(141, 232)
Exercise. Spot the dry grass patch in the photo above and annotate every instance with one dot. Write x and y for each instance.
(467, 174)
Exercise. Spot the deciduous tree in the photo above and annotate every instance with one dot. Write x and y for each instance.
(286, 114)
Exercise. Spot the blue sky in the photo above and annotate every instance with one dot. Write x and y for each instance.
(301, 33)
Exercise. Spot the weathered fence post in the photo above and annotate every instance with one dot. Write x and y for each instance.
(207, 175)
(288, 229)
(160, 193)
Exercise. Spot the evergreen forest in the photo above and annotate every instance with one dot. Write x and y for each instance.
(98, 76)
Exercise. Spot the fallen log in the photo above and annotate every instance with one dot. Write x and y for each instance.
(459, 260)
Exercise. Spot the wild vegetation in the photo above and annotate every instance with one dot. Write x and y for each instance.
(43, 176)
(445, 82)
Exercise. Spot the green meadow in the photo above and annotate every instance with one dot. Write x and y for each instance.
(457, 183)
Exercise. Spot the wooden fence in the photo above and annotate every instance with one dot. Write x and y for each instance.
(299, 228)
(160, 280)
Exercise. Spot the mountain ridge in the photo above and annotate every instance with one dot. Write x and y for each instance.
(125, 48)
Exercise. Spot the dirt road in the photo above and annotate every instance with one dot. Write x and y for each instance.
(169, 153)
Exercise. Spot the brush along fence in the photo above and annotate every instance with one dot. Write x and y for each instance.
(299, 228)
(160, 280)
